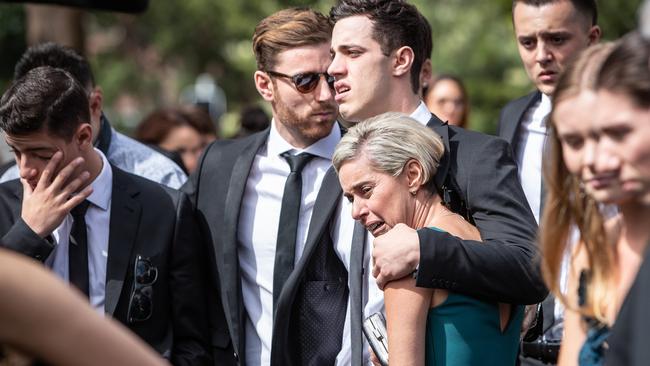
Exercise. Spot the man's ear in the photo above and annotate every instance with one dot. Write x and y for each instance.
(83, 137)
(95, 101)
(264, 85)
(403, 61)
(594, 34)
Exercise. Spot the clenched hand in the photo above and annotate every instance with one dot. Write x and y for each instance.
(396, 254)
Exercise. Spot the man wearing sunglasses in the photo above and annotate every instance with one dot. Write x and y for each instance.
(283, 286)
(126, 243)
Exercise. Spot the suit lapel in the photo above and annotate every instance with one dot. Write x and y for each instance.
(227, 253)
(124, 222)
(442, 129)
(517, 115)
(327, 200)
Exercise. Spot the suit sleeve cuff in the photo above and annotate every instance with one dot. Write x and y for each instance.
(429, 271)
(22, 239)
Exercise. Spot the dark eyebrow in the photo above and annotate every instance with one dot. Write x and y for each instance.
(347, 47)
(545, 34)
(549, 34)
(31, 149)
(568, 134)
(617, 127)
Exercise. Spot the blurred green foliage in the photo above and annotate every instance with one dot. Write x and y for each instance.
(12, 39)
(155, 55)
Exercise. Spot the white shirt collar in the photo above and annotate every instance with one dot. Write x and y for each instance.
(102, 185)
(323, 148)
(422, 114)
(545, 107)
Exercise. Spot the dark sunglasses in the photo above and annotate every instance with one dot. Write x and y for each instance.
(140, 302)
(306, 82)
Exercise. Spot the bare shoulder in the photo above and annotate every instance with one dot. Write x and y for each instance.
(456, 225)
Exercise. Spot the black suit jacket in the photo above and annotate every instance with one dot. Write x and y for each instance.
(217, 189)
(512, 115)
(479, 171)
(510, 120)
(628, 342)
(155, 222)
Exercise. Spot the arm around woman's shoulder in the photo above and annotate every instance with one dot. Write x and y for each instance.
(503, 267)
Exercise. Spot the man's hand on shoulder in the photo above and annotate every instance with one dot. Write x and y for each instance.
(396, 254)
(45, 206)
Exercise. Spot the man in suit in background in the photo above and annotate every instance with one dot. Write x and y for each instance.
(549, 33)
(378, 48)
(267, 205)
(121, 151)
(128, 244)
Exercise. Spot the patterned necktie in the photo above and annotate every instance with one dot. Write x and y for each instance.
(285, 250)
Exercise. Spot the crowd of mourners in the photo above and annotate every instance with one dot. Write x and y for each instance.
(364, 201)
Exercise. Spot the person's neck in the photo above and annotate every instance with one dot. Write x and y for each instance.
(428, 207)
(403, 100)
(635, 219)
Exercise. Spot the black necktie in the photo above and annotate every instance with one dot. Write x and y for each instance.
(78, 249)
(285, 249)
(356, 292)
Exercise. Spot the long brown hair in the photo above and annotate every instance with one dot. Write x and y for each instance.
(567, 204)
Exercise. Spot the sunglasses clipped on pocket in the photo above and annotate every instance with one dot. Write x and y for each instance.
(141, 299)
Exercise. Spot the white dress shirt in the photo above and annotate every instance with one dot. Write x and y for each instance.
(258, 229)
(530, 142)
(97, 225)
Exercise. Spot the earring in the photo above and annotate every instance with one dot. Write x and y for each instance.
(414, 192)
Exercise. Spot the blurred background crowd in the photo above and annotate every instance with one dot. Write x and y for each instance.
(198, 52)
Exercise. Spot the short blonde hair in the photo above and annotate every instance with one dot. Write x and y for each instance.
(389, 141)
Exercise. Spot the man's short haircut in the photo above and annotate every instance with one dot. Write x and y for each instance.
(57, 56)
(45, 99)
(287, 29)
(588, 8)
(395, 23)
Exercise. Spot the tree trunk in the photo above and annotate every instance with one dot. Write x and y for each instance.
(58, 24)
